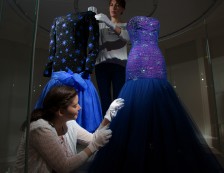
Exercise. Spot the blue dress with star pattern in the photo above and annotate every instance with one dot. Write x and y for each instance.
(74, 46)
(74, 43)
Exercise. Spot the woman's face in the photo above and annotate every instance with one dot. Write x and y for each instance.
(71, 113)
(115, 9)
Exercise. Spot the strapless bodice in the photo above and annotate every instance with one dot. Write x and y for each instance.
(145, 59)
(143, 30)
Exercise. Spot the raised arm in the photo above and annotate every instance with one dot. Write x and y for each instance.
(120, 31)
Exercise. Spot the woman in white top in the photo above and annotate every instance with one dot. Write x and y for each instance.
(112, 58)
(50, 149)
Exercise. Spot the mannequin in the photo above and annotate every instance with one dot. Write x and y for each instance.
(153, 133)
(74, 45)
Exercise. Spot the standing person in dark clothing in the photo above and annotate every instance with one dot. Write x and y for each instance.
(112, 58)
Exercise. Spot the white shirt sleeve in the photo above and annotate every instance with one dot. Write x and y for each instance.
(78, 134)
(124, 35)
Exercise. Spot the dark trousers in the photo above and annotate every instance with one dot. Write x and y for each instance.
(110, 79)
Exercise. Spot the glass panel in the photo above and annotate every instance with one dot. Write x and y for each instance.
(215, 32)
(195, 62)
(16, 41)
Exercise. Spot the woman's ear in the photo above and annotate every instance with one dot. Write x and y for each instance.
(60, 112)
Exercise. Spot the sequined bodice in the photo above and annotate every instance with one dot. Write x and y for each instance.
(145, 59)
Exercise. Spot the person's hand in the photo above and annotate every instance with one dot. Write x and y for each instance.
(103, 18)
(100, 138)
(93, 9)
(115, 106)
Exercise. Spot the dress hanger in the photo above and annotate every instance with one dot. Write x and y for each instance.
(76, 6)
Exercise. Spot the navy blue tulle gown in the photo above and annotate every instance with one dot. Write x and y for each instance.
(153, 133)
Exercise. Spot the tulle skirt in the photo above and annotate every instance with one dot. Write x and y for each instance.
(90, 115)
(153, 133)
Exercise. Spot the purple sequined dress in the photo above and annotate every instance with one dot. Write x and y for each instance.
(153, 133)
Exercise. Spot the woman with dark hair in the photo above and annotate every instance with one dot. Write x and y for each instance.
(49, 149)
(112, 57)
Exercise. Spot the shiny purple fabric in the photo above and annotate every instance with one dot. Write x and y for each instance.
(145, 59)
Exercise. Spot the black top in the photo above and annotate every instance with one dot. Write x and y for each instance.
(74, 43)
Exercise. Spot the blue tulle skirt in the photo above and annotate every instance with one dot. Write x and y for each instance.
(153, 133)
(90, 116)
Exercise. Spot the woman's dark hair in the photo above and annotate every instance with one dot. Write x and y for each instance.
(59, 97)
(122, 3)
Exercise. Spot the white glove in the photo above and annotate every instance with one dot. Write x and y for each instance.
(103, 18)
(93, 9)
(115, 106)
(100, 138)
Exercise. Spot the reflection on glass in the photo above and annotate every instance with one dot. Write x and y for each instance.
(16, 38)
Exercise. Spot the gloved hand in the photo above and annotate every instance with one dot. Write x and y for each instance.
(100, 138)
(93, 9)
(103, 18)
(115, 106)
